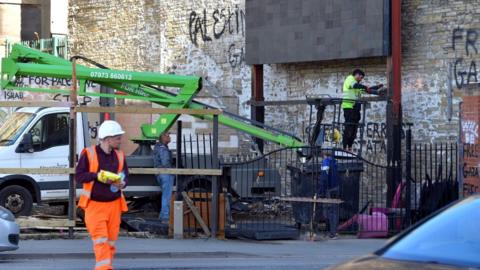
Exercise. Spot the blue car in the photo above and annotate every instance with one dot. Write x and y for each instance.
(449, 239)
(9, 230)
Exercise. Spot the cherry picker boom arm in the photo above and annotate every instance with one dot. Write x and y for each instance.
(24, 61)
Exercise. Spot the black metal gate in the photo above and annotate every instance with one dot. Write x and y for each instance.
(277, 194)
(287, 191)
(256, 186)
(433, 173)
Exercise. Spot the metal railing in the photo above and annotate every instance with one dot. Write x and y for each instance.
(432, 176)
(280, 194)
(57, 46)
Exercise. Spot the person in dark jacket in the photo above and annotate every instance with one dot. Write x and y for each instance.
(329, 185)
(162, 158)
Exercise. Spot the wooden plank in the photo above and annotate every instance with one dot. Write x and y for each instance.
(308, 199)
(196, 213)
(36, 171)
(72, 148)
(34, 103)
(31, 222)
(41, 228)
(131, 170)
(45, 216)
(174, 171)
(143, 110)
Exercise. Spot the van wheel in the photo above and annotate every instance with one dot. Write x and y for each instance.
(17, 199)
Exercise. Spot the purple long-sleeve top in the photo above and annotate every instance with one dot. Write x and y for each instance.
(108, 162)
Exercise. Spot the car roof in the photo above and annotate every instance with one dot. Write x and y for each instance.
(38, 109)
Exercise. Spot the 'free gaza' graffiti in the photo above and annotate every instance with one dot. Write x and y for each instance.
(465, 70)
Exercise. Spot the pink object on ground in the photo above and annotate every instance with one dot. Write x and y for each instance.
(376, 224)
(369, 226)
(372, 226)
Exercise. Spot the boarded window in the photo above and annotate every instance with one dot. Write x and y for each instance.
(284, 31)
(31, 21)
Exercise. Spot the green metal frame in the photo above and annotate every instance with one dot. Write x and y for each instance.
(24, 61)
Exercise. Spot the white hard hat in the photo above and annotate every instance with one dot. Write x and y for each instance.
(109, 128)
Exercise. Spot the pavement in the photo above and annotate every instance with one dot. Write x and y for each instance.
(143, 254)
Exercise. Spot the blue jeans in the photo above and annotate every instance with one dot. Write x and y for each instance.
(330, 211)
(165, 181)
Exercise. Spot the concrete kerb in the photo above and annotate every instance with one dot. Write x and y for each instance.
(84, 235)
(127, 255)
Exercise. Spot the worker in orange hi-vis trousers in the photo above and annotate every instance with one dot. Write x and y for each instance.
(103, 172)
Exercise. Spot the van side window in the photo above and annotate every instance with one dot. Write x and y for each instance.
(51, 130)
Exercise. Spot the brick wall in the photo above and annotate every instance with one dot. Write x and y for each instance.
(470, 138)
(207, 38)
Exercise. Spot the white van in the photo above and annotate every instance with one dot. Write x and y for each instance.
(38, 138)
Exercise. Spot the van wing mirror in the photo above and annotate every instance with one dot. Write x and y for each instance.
(26, 145)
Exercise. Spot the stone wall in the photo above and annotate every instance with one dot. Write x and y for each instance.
(207, 38)
(434, 59)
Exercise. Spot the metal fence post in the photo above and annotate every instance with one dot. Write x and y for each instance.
(55, 46)
(408, 169)
(214, 213)
(364, 114)
(178, 161)
(72, 154)
(460, 153)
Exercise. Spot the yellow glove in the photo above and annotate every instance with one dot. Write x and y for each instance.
(106, 176)
(337, 137)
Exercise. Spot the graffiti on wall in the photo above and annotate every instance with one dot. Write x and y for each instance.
(93, 129)
(236, 55)
(470, 131)
(65, 98)
(464, 44)
(471, 144)
(12, 95)
(210, 25)
(35, 81)
(471, 153)
(471, 165)
(375, 136)
(43, 82)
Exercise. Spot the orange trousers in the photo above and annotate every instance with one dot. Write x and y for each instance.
(103, 224)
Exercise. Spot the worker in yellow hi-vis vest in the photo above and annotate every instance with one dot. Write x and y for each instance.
(352, 92)
(103, 172)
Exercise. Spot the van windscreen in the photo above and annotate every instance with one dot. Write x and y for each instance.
(13, 127)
